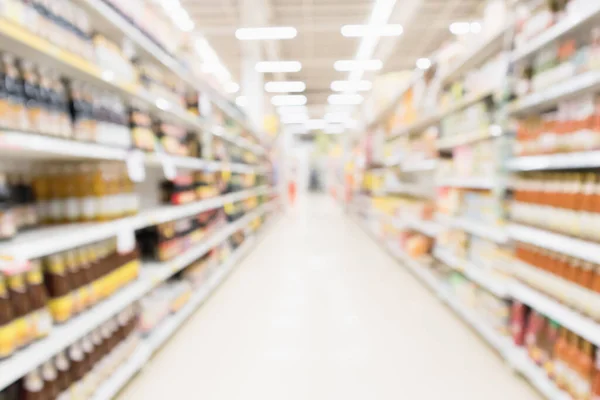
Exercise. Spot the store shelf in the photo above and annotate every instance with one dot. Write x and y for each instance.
(468, 183)
(486, 231)
(536, 376)
(151, 344)
(496, 284)
(586, 159)
(49, 240)
(500, 343)
(412, 190)
(429, 228)
(111, 21)
(584, 83)
(420, 166)
(563, 28)
(466, 102)
(453, 141)
(553, 309)
(489, 47)
(554, 241)
(152, 274)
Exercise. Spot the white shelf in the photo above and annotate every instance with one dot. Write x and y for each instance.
(582, 249)
(495, 284)
(429, 228)
(586, 159)
(521, 362)
(480, 52)
(486, 231)
(468, 183)
(15, 144)
(453, 141)
(584, 83)
(412, 190)
(420, 166)
(53, 239)
(152, 274)
(565, 316)
(553, 34)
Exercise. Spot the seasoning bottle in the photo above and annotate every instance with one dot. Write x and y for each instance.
(59, 287)
(8, 333)
(62, 365)
(571, 358)
(56, 205)
(560, 365)
(50, 376)
(38, 298)
(77, 281)
(585, 370)
(596, 382)
(33, 386)
(71, 196)
(21, 306)
(8, 227)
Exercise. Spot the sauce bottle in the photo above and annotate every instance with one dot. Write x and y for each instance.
(8, 333)
(59, 287)
(560, 366)
(62, 365)
(38, 298)
(77, 281)
(596, 383)
(585, 369)
(21, 307)
(78, 368)
(70, 187)
(572, 358)
(50, 376)
(33, 386)
(56, 205)
(8, 227)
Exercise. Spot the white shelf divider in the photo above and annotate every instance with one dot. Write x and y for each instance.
(574, 247)
(53, 239)
(576, 160)
(486, 231)
(468, 182)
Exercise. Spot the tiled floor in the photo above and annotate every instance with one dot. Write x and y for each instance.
(319, 312)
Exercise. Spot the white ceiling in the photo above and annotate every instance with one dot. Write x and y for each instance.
(319, 42)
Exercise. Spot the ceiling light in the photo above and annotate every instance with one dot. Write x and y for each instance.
(278, 66)
(108, 75)
(345, 86)
(353, 65)
(284, 110)
(266, 33)
(335, 129)
(285, 87)
(423, 63)
(241, 101)
(315, 124)
(289, 100)
(463, 28)
(232, 87)
(337, 116)
(372, 30)
(294, 118)
(162, 104)
(348, 99)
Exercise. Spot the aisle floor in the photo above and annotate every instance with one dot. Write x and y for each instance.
(318, 311)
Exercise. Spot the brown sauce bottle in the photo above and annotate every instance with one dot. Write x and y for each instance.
(63, 378)
(76, 278)
(19, 296)
(8, 337)
(50, 376)
(33, 386)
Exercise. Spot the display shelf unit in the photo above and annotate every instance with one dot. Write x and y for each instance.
(167, 328)
(468, 182)
(514, 356)
(451, 142)
(574, 247)
(52, 239)
(562, 161)
(152, 274)
(429, 228)
(563, 28)
(112, 21)
(486, 279)
(586, 82)
(487, 231)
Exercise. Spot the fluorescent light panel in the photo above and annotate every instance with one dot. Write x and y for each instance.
(464, 27)
(354, 65)
(372, 30)
(278, 66)
(266, 33)
(348, 99)
(344, 86)
(285, 87)
(232, 87)
(285, 110)
(289, 100)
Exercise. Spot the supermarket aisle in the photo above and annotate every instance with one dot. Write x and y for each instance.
(318, 311)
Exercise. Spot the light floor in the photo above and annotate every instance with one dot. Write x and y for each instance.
(317, 312)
